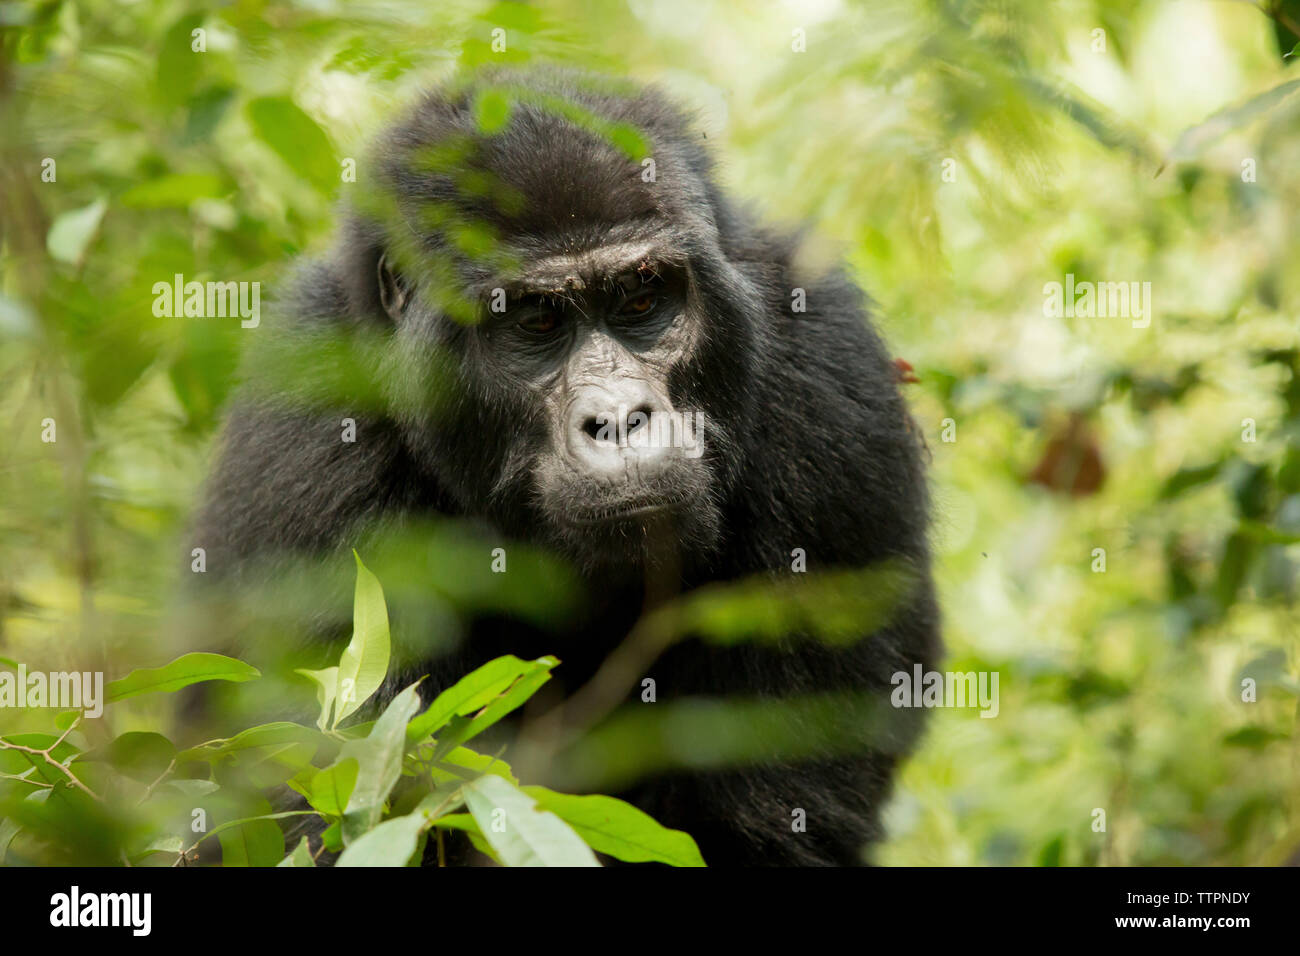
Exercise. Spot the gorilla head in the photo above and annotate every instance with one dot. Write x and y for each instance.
(569, 370)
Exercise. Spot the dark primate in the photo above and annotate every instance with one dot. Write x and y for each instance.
(550, 314)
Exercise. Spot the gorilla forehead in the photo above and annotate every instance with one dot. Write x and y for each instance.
(580, 268)
(565, 171)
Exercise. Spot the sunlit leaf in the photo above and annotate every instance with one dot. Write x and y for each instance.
(72, 232)
(520, 831)
(619, 829)
(327, 687)
(475, 691)
(364, 663)
(379, 757)
(332, 787)
(392, 843)
(301, 855)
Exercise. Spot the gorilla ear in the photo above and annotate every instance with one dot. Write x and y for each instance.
(393, 291)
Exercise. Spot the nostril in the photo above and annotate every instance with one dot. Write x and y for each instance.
(603, 428)
(606, 424)
(596, 429)
(638, 418)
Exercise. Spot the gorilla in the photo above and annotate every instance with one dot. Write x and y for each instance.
(567, 334)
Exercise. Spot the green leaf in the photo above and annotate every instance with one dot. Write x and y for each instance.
(529, 682)
(1193, 141)
(261, 817)
(175, 190)
(1100, 123)
(835, 606)
(492, 111)
(1258, 531)
(205, 112)
(379, 757)
(393, 842)
(171, 844)
(521, 833)
(264, 756)
(462, 764)
(72, 232)
(332, 787)
(327, 686)
(191, 789)
(8, 830)
(140, 755)
(465, 824)
(611, 826)
(364, 663)
(256, 843)
(332, 837)
(1252, 737)
(296, 138)
(473, 692)
(178, 63)
(301, 856)
(1187, 478)
(263, 735)
(185, 670)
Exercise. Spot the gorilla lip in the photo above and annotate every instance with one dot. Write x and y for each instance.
(609, 517)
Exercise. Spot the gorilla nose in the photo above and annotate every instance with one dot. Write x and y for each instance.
(620, 429)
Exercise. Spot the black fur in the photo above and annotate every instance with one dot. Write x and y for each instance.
(808, 442)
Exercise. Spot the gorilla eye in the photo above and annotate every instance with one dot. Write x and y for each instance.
(540, 322)
(640, 304)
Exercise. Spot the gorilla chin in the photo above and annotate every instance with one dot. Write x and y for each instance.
(613, 526)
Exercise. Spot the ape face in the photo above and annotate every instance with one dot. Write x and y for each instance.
(588, 379)
(586, 347)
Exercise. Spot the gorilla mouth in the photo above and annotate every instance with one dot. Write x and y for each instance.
(604, 525)
(616, 515)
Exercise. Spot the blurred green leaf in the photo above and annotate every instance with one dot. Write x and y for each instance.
(253, 843)
(72, 232)
(179, 65)
(297, 139)
(839, 606)
(140, 755)
(1192, 142)
(173, 190)
(185, 670)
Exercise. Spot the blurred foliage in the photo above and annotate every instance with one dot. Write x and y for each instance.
(384, 791)
(1164, 149)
